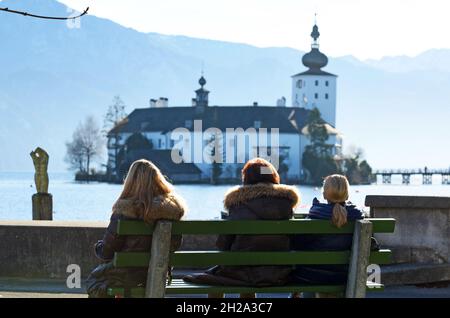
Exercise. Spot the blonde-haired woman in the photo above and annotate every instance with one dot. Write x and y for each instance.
(147, 196)
(336, 192)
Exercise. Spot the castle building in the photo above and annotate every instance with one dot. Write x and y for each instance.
(153, 132)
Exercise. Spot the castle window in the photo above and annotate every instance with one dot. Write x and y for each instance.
(317, 83)
(316, 96)
(299, 83)
(327, 83)
(326, 96)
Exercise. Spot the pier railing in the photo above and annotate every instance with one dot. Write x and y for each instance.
(427, 175)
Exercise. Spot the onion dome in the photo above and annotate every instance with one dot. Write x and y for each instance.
(202, 81)
(315, 59)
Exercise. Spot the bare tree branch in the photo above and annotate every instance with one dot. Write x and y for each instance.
(43, 16)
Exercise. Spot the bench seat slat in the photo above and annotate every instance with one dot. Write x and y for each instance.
(178, 286)
(254, 227)
(210, 258)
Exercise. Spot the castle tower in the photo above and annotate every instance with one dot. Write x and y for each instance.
(315, 87)
(201, 99)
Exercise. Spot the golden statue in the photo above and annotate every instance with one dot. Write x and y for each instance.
(40, 161)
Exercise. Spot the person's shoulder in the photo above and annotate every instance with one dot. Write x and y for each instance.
(168, 206)
(239, 195)
(353, 211)
(127, 208)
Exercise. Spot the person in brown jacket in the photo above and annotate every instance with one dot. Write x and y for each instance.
(147, 196)
(261, 197)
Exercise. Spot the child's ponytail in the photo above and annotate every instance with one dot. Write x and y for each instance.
(339, 217)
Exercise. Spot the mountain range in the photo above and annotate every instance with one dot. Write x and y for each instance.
(52, 76)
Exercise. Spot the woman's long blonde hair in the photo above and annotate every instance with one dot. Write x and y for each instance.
(143, 183)
(335, 190)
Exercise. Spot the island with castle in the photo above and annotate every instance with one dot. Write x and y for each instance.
(148, 132)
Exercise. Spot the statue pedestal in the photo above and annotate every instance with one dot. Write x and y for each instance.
(42, 207)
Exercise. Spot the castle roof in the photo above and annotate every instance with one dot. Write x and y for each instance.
(314, 72)
(286, 119)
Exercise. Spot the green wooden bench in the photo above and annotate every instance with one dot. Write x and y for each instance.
(160, 258)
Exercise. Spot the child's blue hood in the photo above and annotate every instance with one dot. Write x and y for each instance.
(324, 211)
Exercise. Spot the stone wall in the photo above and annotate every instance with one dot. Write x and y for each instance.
(422, 231)
(44, 249)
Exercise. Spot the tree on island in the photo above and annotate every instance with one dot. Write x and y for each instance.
(358, 171)
(114, 117)
(137, 141)
(320, 162)
(85, 147)
(317, 158)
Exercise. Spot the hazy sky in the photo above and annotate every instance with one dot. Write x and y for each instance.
(363, 28)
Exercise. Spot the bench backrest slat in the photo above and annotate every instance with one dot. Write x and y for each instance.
(254, 227)
(210, 258)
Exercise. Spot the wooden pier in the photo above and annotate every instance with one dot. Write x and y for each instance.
(427, 175)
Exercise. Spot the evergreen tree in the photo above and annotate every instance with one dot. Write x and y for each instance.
(317, 158)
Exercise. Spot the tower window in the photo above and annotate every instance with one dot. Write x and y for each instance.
(317, 83)
(326, 96)
(316, 96)
(327, 83)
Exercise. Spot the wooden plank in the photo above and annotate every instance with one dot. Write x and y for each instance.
(254, 227)
(178, 286)
(134, 228)
(210, 258)
(159, 262)
(359, 260)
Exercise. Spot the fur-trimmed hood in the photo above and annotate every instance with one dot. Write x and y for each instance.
(243, 194)
(168, 207)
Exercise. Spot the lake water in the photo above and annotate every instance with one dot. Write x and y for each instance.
(80, 201)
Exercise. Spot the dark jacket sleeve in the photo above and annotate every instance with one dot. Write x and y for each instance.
(225, 241)
(176, 242)
(111, 242)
